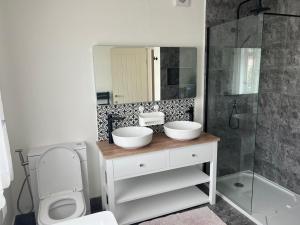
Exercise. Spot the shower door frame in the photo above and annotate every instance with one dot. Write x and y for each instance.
(205, 127)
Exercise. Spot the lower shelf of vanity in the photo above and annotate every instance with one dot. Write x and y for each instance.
(158, 205)
(158, 183)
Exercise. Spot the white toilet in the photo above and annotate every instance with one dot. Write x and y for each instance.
(60, 186)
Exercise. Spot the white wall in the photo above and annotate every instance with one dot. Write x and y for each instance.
(50, 92)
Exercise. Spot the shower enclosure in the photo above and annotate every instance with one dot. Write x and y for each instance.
(253, 105)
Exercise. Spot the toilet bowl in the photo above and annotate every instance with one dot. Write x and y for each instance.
(60, 186)
(60, 208)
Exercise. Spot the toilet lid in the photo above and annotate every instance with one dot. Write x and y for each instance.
(58, 170)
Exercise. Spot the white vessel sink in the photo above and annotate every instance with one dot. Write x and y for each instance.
(182, 130)
(132, 137)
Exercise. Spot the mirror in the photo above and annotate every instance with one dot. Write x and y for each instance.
(144, 74)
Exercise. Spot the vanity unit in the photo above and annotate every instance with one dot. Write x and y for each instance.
(158, 179)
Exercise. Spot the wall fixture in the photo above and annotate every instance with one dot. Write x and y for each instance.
(182, 3)
(151, 118)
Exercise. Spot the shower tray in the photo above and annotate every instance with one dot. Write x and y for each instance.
(271, 204)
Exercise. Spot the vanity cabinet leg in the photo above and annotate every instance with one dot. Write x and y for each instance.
(103, 183)
(213, 176)
(110, 186)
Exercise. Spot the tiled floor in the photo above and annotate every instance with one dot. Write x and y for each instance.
(227, 213)
(25, 219)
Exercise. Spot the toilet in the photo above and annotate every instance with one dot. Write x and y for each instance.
(60, 186)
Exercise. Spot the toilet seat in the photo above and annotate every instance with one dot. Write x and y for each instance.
(45, 205)
(59, 179)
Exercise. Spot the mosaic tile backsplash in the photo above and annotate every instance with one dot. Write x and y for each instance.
(173, 109)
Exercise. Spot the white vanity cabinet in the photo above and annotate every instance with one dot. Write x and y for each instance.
(157, 179)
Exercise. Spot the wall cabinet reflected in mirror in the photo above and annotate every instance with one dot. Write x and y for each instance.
(144, 74)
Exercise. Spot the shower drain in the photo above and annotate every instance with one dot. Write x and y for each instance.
(239, 185)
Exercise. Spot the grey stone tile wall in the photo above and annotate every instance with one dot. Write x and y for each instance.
(277, 155)
(220, 11)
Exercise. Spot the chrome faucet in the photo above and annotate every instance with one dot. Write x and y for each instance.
(110, 120)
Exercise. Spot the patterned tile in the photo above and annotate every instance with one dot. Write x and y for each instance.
(173, 109)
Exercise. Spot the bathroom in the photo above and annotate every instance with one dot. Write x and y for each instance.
(47, 83)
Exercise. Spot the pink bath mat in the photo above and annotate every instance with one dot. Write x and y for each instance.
(201, 216)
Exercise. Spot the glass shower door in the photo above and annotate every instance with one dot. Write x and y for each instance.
(234, 55)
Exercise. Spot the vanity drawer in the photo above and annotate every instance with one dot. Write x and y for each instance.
(140, 164)
(191, 155)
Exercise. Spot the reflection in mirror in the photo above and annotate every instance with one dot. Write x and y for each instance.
(245, 70)
(143, 74)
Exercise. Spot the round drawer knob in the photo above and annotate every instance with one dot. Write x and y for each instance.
(142, 165)
(194, 155)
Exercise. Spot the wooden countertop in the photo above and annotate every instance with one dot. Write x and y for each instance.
(159, 142)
